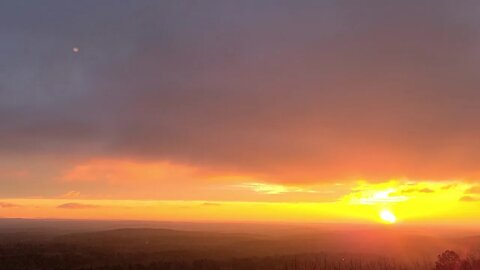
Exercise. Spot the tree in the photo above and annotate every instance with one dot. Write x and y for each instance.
(448, 260)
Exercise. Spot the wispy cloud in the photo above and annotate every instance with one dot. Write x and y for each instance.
(8, 205)
(420, 190)
(71, 195)
(473, 190)
(384, 196)
(211, 204)
(77, 206)
(469, 199)
(127, 171)
(449, 186)
(397, 191)
(274, 188)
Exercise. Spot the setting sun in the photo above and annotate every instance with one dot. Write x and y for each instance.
(388, 216)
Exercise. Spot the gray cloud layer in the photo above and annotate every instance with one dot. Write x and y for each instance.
(294, 89)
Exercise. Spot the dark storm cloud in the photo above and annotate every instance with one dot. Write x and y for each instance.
(293, 89)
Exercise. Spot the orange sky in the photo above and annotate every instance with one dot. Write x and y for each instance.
(123, 189)
(306, 111)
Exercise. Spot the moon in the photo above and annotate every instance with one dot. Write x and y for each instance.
(387, 216)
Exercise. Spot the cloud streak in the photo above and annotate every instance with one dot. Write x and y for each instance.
(469, 199)
(77, 206)
(473, 190)
(274, 189)
(8, 205)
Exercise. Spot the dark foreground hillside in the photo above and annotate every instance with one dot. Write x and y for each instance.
(170, 249)
(65, 257)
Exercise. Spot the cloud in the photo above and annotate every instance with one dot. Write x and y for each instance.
(273, 188)
(471, 194)
(469, 199)
(70, 195)
(77, 206)
(420, 190)
(112, 170)
(330, 92)
(473, 190)
(449, 186)
(376, 196)
(8, 205)
(211, 204)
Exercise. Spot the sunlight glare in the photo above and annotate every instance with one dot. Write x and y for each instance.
(388, 216)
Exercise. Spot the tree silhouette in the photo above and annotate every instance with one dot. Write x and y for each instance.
(448, 260)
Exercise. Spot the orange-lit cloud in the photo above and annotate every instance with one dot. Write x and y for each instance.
(8, 205)
(469, 199)
(274, 188)
(70, 195)
(77, 206)
(161, 180)
(111, 170)
(473, 190)
(374, 197)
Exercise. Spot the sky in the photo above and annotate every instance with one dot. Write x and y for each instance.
(288, 111)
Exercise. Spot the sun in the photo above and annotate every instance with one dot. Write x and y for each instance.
(387, 216)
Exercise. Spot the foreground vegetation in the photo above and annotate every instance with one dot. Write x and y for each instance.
(70, 257)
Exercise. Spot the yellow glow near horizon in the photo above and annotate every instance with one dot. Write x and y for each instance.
(389, 202)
